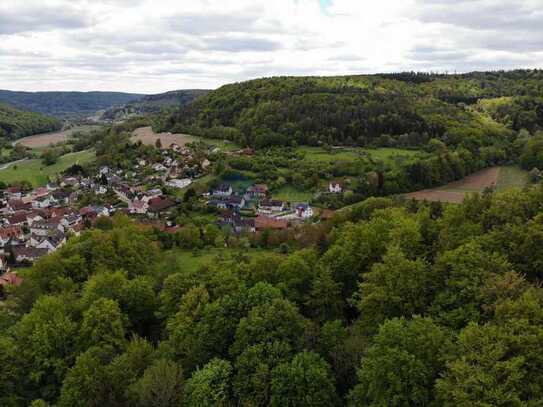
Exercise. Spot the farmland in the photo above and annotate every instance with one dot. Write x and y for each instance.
(147, 136)
(37, 173)
(45, 140)
(387, 155)
(500, 178)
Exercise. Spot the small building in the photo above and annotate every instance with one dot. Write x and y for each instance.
(223, 190)
(23, 254)
(257, 191)
(271, 206)
(304, 211)
(159, 205)
(335, 187)
(179, 183)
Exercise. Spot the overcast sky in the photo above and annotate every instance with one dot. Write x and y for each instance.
(151, 46)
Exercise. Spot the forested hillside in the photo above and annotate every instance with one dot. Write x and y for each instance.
(153, 104)
(394, 109)
(386, 304)
(15, 123)
(66, 104)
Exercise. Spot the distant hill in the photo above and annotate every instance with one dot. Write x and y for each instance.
(66, 104)
(153, 104)
(404, 109)
(15, 123)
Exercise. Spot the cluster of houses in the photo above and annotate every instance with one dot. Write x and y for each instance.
(35, 223)
(260, 211)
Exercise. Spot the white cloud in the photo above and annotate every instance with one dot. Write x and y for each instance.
(158, 45)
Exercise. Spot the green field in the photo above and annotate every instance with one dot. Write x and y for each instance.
(37, 173)
(350, 154)
(291, 194)
(189, 261)
(511, 177)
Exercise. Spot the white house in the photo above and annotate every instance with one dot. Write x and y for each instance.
(304, 211)
(335, 188)
(273, 206)
(223, 190)
(179, 183)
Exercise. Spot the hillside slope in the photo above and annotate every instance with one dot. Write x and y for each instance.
(64, 104)
(153, 104)
(15, 123)
(393, 109)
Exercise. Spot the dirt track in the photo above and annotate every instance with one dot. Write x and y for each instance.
(456, 191)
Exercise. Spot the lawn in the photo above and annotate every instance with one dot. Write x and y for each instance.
(37, 173)
(291, 194)
(350, 154)
(511, 177)
(190, 261)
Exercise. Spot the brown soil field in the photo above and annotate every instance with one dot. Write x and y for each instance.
(49, 139)
(457, 190)
(147, 136)
(44, 140)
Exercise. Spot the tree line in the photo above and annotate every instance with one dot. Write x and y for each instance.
(16, 123)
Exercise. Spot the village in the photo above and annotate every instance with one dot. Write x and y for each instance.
(35, 222)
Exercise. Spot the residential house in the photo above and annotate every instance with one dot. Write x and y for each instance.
(335, 187)
(159, 205)
(179, 183)
(23, 254)
(223, 190)
(18, 218)
(304, 211)
(138, 207)
(46, 227)
(257, 191)
(8, 234)
(13, 192)
(271, 206)
(50, 242)
(19, 205)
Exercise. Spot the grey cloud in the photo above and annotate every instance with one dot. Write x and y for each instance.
(240, 44)
(14, 20)
(482, 14)
(211, 23)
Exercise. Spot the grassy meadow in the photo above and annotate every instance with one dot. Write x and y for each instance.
(37, 173)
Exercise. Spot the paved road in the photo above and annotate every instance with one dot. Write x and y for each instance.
(3, 167)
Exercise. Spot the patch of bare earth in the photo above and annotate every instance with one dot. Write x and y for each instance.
(456, 191)
(147, 136)
(44, 140)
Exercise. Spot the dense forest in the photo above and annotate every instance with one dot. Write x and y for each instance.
(390, 303)
(153, 104)
(395, 109)
(16, 123)
(66, 104)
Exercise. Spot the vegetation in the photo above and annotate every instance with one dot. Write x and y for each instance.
(153, 104)
(16, 123)
(39, 171)
(66, 104)
(388, 303)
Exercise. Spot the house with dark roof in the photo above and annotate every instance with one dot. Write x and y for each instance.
(18, 218)
(257, 191)
(24, 254)
(159, 205)
(271, 206)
